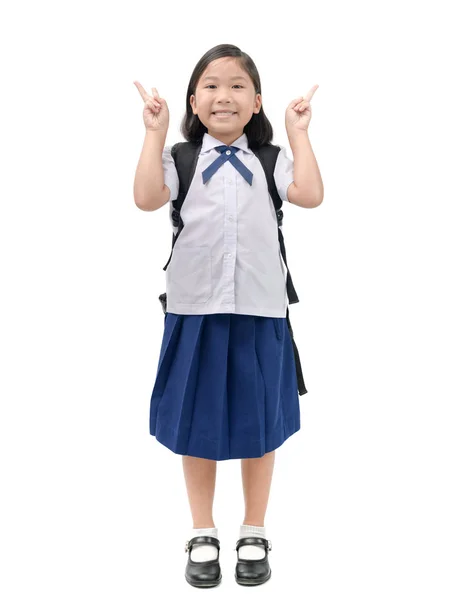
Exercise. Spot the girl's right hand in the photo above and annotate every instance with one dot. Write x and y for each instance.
(156, 112)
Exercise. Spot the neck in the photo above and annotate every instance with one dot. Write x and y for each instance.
(226, 138)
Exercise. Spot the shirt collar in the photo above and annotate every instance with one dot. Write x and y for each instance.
(209, 142)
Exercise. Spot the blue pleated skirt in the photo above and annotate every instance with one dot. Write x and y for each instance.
(225, 387)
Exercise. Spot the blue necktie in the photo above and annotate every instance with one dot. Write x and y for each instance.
(227, 153)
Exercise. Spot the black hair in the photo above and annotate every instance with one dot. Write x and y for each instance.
(258, 130)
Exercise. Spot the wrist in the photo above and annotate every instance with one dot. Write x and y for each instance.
(296, 133)
(156, 132)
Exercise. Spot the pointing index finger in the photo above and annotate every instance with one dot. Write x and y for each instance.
(310, 93)
(144, 95)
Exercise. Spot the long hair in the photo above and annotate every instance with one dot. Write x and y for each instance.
(258, 130)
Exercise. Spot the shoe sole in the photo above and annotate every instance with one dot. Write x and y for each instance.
(206, 583)
(252, 582)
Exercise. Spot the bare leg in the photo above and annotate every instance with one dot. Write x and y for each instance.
(257, 476)
(200, 478)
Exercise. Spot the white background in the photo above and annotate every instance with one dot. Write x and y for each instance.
(92, 505)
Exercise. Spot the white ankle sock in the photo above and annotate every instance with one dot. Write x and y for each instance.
(204, 552)
(251, 552)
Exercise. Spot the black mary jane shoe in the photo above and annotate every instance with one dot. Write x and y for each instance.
(202, 574)
(253, 572)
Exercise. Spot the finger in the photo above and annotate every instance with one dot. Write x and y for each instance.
(153, 105)
(155, 101)
(295, 102)
(142, 91)
(309, 95)
(156, 97)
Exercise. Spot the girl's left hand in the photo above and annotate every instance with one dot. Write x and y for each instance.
(299, 113)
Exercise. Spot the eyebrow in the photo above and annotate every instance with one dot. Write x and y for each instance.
(213, 77)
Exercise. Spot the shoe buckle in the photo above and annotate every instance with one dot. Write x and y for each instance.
(269, 545)
(187, 546)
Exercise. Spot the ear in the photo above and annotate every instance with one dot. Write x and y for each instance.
(257, 103)
(192, 101)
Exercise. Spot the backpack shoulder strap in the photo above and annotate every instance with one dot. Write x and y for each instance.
(185, 155)
(267, 155)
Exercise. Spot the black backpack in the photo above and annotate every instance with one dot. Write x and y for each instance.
(185, 155)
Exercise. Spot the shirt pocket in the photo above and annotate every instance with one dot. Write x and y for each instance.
(189, 276)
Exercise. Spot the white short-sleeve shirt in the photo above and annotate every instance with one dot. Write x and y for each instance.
(227, 258)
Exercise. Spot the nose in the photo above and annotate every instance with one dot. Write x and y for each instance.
(223, 96)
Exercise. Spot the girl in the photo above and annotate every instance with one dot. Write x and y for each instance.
(226, 381)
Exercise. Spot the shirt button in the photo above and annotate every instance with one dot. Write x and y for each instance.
(228, 255)
(230, 218)
(228, 152)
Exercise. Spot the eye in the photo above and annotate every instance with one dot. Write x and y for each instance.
(236, 85)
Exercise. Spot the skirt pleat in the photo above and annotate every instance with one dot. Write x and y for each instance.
(225, 387)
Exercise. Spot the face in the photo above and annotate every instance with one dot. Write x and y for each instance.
(225, 87)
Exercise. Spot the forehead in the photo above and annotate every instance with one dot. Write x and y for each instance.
(226, 68)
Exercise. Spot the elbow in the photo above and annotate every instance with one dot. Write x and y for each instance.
(143, 202)
(150, 203)
(317, 200)
(300, 198)
(139, 200)
(311, 202)
(143, 206)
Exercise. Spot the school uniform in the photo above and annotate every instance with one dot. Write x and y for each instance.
(226, 380)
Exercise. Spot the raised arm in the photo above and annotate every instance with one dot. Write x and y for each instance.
(149, 189)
